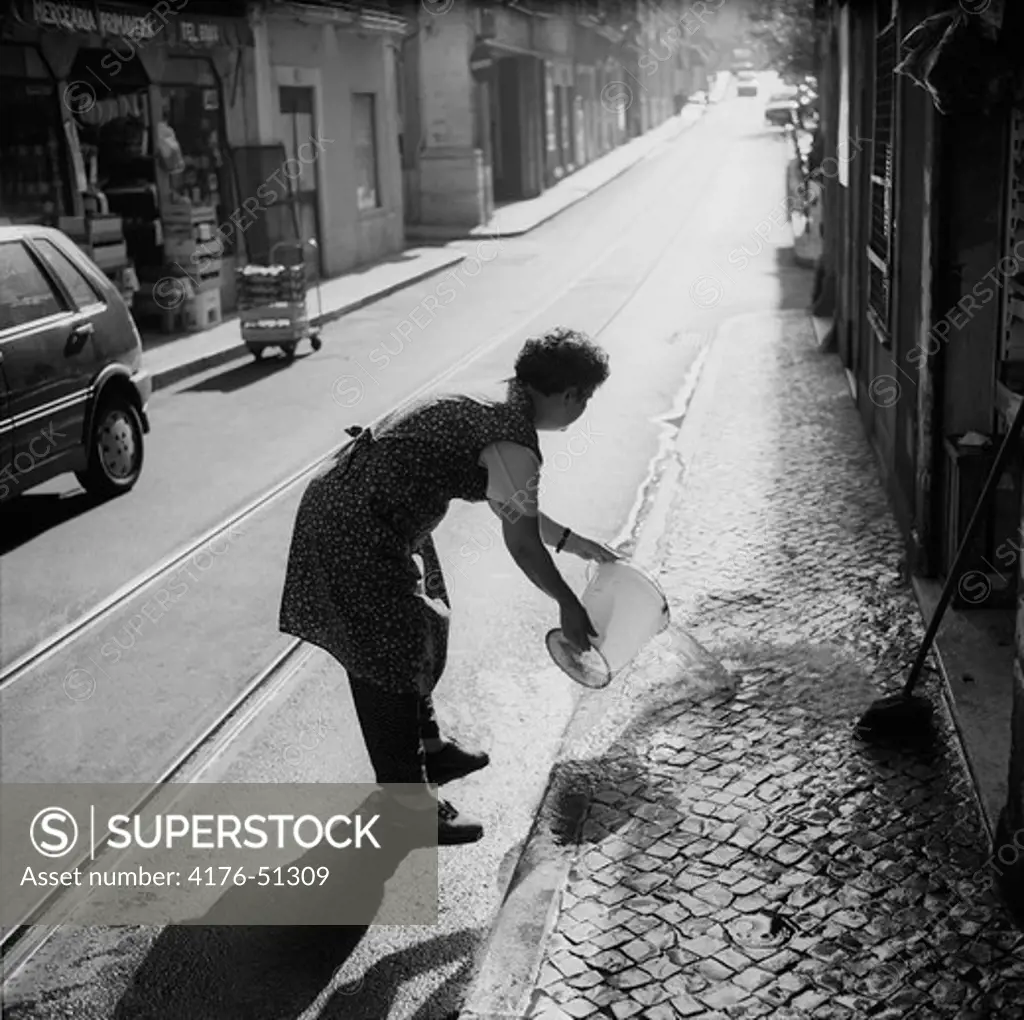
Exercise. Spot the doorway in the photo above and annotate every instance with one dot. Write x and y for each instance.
(297, 130)
(506, 131)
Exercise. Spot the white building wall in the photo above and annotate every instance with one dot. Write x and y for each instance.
(336, 61)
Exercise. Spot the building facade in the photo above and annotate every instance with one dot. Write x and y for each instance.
(503, 100)
(326, 94)
(924, 213)
(180, 140)
(117, 128)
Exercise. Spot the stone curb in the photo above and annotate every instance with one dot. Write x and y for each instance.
(185, 370)
(514, 951)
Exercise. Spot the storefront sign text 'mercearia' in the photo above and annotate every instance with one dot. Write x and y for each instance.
(78, 18)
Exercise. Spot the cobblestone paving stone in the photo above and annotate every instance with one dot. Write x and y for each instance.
(746, 856)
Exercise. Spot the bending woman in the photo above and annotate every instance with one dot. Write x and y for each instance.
(354, 588)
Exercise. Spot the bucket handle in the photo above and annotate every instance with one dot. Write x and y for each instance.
(593, 565)
(592, 568)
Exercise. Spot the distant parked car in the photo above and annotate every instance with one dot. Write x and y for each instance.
(746, 87)
(781, 110)
(73, 392)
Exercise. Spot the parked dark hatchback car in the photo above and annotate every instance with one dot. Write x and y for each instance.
(73, 392)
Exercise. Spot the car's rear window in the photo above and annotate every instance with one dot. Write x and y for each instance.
(81, 289)
(25, 293)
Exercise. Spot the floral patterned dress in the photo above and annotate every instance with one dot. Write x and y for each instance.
(352, 585)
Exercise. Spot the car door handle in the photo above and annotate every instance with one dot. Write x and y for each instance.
(80, 335)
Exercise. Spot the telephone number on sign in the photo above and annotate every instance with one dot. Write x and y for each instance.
(279, 877)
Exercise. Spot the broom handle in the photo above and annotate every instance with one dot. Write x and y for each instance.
(1009, 441)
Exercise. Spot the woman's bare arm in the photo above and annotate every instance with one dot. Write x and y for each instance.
(525, 542)
(550, 530)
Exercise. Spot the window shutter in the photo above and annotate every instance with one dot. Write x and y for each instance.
(1012, 347)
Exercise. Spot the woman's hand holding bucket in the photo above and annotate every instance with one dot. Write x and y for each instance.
(576, 624)
(588, 549)
(625, 606)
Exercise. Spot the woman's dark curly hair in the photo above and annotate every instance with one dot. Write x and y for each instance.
(562, 359)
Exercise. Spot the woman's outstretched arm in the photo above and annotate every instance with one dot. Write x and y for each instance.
(513, 473)
(521, 533)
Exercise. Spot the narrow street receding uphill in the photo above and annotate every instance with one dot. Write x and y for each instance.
(649, 265)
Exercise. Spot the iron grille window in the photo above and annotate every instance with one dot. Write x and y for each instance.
(880, 243)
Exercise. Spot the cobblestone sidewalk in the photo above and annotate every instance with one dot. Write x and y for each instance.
(746, 856)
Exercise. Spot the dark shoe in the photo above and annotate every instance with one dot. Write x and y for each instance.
(452, 762)
(417, 823)
(454, 829)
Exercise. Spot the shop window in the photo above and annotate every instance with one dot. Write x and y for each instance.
(199, 175)
(25, 294)
(365, 130)
(34, 184)
(82, 292)
(550, 115)
(112, 146)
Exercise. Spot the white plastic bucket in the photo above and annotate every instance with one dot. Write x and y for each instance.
(627, 609)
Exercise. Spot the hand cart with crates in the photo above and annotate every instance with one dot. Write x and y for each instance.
(272, 302)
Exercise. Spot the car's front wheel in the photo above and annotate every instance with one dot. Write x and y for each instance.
(115, 448)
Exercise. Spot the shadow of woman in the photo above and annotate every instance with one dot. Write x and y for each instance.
(267, 953)
(374, 994)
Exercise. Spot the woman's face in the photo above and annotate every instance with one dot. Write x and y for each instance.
(571, 405)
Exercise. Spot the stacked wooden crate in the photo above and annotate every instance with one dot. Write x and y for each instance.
(191, 247)
(272, 302)
(182, 288)
(101, 237)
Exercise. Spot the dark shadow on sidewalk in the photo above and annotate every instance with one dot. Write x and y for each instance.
(27, 517)
(245, 375)
(372, 996)
(269, 953)
(796, 282)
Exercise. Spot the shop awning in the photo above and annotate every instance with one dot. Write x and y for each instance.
(178, 27)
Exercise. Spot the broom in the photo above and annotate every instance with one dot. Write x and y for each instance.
(906, 715)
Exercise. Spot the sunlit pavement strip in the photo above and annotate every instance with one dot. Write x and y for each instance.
(519, 218)
(747, 857)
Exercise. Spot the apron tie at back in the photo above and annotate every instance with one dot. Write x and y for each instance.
(360, 434)
(362, 437)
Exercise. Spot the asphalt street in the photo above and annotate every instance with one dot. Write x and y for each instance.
(649, 265)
